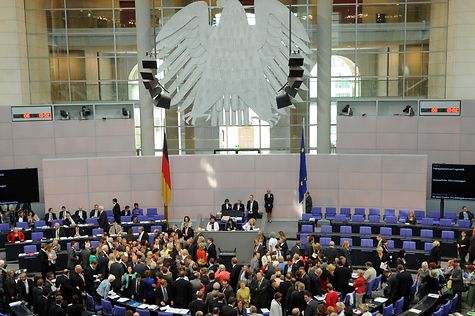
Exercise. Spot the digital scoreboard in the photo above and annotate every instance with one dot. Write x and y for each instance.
(440, 107)
(32, 113)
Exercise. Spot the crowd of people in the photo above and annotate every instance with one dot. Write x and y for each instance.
(179, 267)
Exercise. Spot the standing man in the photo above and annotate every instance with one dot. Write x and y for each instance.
(252, 208)
(116, 210)
(269, 204)
(226, 208)
(103, 222)
(308, 203)
(238, 209)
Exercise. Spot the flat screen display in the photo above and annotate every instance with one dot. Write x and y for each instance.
(450, 181)
(19, 185)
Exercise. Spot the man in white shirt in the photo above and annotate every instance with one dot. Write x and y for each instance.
(212, 224)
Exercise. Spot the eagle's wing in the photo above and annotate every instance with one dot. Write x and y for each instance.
(182, 44)
(272, 38)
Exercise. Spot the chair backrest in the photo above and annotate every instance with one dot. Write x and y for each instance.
(360, 211)
(91, 220)
(40, 223)
(135, 229)
(341, 218)
(4, 227)
(427, 221)
(448, 235)
(36, 235)
(365, 230)
(427, 246)
(164, 314)
(434, 214)
(369, 288)
(386, 231)
(427, 233)
(142, 218)
(345, 229)
(357, 218)
(23, 225)
(418, 214)
(374, 211)
(94, 243)
(158, 227)
(109, 213)
(409, 245)
(446, 308)
(152, 211)
(306, 217)
(438, 312)
(119, 311)
(345, 211)
(445, 222)
(325, 241)
(374, 218)
(403, 215)
(90, 303)
(106, 306)
(330, 211)
(307, 228)
(465, 223)
(453, 303)
(303, 238)
(29, 248)
(350, 241)
(325, 228)
(97, 231)
(145, 312)
(390, 219)
(405, 232)
(349, 298)
(398, 306)
(388, 310)
(317, 210)
(389, 212)
(125, 219)
(452, 215)
(367, 243)
(390, 244)
(377, 282)
(160, 217)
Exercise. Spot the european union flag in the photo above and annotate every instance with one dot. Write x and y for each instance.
(303, 169)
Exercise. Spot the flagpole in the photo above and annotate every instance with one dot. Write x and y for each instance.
(304, 204)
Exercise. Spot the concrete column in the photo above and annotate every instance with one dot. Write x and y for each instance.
(324, 42)
(437, 47)
(144, 45)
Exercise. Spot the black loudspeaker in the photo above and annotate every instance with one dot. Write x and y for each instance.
(162, 101)
(295, 72)
(149, 64)
(147, 75)
(295, 60)
(283, 100)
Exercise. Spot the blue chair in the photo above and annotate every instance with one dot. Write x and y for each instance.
(377, 282)
(151, 238)
(5, 227)
(453, 303)
(110, 219)
(409, 246)
(453, 216)
(345, 211)
(325, 241)
(303, 238)
(365, 230)
(97, 231)
(405, 232)
(125, 219)
(413, 292)
(376, 313)
(388, 310)
(350, 241)
(374, 211)
(447, 235)
(160, 314)
(427, 221)
(341, 218)
(22, 225)
(389, 212)
(326, 229)
(369, 288)
(403, 215)
(307, 229)
(386, 231)
(446, 308)
(428, 247)
(158, 227)
(446, 222)
(390, 219)
(350, 298)
(160, 217)
(106, 307)
(374, 218)
(36, 235)
(465, 223)
(146, 312)
(398, 305)
(360, 211)
(94, 243)
(419, 214)
(330, 213)
(91, 221)
(68, 245)
(435, 215)
(438, 312)
(91, 305)
(317, 212)
(345, 230)
(29, 249)
(390, 244)
(119, 311)
(367, 244)
(306, 217)
(427, 233)
(357, 218)
(142, 218)
(109, 213)
(152, 211)
(135, 229)
(40, 224)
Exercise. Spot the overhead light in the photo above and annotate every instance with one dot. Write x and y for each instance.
(64, 114)
(85, 112)
(125, 113)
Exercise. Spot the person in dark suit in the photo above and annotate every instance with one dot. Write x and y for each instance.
(90, 277)
(80, 216)
(65, 286)
(252, 208)
(62, 213)
(143, 235)
(296, 299)
(226, 208)
(25, 287)
(103, 264)
(164, 293)
(466, 214)
(269, 204)
(187, 231)
(69, 220)
(238, 209)
(235, 272)
(404, 283)
(198, 304)
(95, 211)
(73, 257)
(211, 249)
(341, 278)
(137, 289)
(182, 291)
(43, 303)
(78, 281)
(58, 231)
(103, 221)
(44, 263)
(49, 217)
(37, 292)
(311, 308)
(21, 217)
(116, 212)
(308, 203)
(118, 270)
(260, 294)
(56, 308)
(75, 308)
(126, 211)
(229, 310)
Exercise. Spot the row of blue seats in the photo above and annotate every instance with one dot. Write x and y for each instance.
(331, 213)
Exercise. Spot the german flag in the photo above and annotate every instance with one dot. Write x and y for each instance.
(166, 179)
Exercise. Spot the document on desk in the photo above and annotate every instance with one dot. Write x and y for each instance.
(415, 311)
(380, 299)
(264, 310)
(433, 295)
(143, 306)
(123, 299)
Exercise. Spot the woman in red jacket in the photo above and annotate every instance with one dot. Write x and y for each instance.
(15, 235)
(360, 287)
(331, 298)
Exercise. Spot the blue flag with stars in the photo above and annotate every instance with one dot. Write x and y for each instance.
(303, 170)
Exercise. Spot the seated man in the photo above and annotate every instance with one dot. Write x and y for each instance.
(15, 236)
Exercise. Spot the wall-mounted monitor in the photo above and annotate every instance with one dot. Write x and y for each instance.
(453, 181)
(19, 185)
